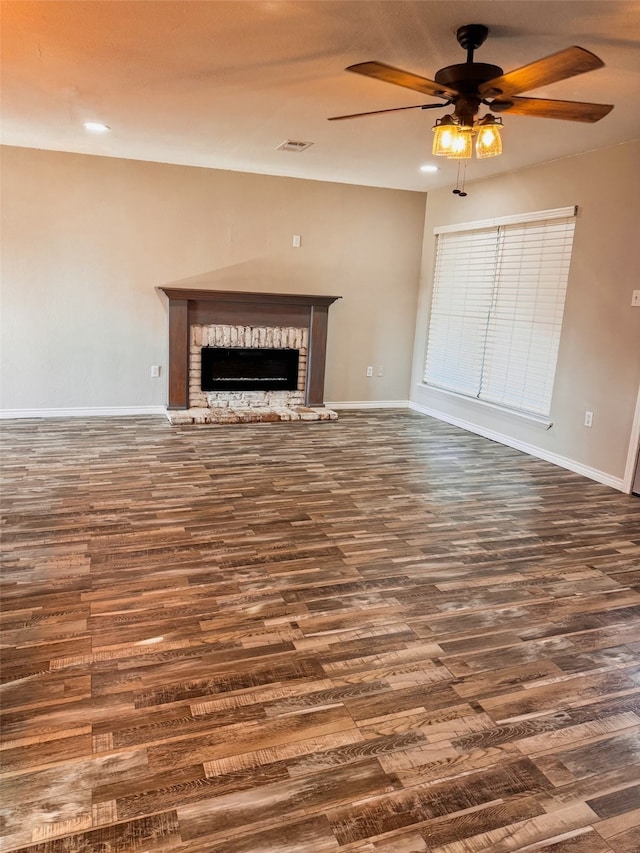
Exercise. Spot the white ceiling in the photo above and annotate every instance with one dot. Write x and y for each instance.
(221, 84)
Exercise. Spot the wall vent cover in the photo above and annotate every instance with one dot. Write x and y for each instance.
(293, 145)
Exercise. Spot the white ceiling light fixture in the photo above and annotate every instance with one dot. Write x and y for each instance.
(428, 168)
(96, 127)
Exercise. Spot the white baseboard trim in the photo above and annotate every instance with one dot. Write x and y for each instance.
(369, 404)
(531, 449)
(83, 412)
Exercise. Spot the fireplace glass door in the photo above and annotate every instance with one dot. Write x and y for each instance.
(255, 369)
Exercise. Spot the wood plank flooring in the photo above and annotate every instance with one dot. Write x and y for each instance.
(379, 635)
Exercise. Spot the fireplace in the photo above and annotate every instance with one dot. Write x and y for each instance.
(263, 344)
(248, 369)
(227, 347)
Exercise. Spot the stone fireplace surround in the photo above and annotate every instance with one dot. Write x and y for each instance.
(200, 318)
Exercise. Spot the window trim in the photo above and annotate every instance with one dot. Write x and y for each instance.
(514, 219)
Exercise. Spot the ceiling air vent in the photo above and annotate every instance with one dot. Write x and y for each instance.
(293, 145)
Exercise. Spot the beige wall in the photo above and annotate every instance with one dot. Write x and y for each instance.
(599, 358)
(86, 240)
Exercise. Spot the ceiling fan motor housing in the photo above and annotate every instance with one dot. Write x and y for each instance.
(466, 78)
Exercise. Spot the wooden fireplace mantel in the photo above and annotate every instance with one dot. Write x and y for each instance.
(209, 307)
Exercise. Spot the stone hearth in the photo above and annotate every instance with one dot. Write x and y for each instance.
(249, 415)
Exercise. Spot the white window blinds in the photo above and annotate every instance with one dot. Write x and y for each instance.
(497, 305)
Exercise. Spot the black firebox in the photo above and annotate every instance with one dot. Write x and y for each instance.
(255, 369)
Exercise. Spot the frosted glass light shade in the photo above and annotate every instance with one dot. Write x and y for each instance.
(488, 140)
(462, 144)
(444, 133)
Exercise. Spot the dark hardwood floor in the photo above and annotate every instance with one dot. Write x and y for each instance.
(381, 635)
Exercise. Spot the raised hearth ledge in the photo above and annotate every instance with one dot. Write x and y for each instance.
(249, 416)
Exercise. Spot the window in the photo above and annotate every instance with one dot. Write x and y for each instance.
(497, 306)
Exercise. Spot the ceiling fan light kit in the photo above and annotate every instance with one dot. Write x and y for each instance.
(455, 141)
(471, 84)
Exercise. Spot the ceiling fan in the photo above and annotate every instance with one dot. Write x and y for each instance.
(470, 84)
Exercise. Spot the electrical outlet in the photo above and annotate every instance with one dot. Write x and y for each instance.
(588, 419)
(297, 241)
(635, 299)
(369, 371)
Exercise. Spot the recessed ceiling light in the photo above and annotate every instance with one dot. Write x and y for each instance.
(428, 168)
(96, 127)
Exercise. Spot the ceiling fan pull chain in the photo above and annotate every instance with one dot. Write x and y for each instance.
(462, 193)
(459, 191)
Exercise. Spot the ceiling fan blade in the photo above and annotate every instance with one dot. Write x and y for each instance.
(392, 110)
(389, 74)
(543, 108)
(559, 66)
